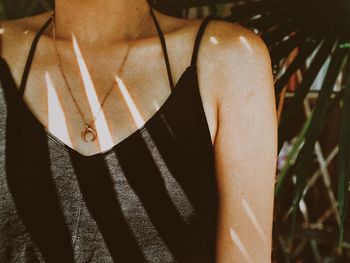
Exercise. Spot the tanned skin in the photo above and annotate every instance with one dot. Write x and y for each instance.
(236, 87)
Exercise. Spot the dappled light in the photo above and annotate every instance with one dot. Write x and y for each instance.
(150, 196)
(174, 189)
(245, 43)
(169, 181)
(236, 240)
(105, 139)
(135, 113)
(254, 220)
(57, 123)
(214, 40)
(128, 194)
(139, 179)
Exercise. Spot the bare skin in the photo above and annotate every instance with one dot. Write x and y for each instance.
(236, 86)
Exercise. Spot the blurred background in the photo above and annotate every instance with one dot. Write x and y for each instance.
(309, 44)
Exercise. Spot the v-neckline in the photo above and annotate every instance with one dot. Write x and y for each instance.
(75, 152)
(68, 148)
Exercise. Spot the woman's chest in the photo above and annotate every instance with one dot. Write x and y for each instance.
(114, 106)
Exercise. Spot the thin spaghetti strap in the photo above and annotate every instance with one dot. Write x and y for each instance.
(31, 56)
(165, 52)
(198, 39)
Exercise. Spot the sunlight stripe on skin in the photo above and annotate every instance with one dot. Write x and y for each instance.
(138, 119)
(104, 136)
(57, 123)
(254, 220)
(245, 43)
(240, 246)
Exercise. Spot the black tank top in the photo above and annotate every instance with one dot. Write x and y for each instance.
(150, 198)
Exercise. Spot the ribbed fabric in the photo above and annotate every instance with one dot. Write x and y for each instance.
(151, 198)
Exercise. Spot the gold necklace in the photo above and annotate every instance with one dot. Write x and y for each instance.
(88, 128)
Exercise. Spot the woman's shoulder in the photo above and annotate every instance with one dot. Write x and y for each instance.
(222, 42)
(23, 28)
(229, 53)
(229, 41)
(243, 69)
(242, 58)
(17, 35)
(26, 23)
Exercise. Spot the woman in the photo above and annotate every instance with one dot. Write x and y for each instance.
(132, 136)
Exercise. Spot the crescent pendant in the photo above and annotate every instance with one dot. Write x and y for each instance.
(88, 134)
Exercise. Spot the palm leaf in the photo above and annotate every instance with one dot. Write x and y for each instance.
(344, 156)
(303, 169)
(309, 77)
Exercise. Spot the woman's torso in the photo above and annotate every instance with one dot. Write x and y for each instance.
(150, 198)
(147, 89)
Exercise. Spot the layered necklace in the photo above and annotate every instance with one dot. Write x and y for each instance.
(89, 133)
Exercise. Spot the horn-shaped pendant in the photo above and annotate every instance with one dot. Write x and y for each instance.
(88, 134)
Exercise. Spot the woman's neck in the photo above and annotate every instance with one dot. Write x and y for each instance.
(99, 21)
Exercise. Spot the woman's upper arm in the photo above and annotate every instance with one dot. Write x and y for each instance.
(245, 150)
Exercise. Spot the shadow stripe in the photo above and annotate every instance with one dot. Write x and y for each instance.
(99, 194)
(29, 179)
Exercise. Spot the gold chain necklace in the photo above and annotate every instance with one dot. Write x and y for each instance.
(88, 128)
